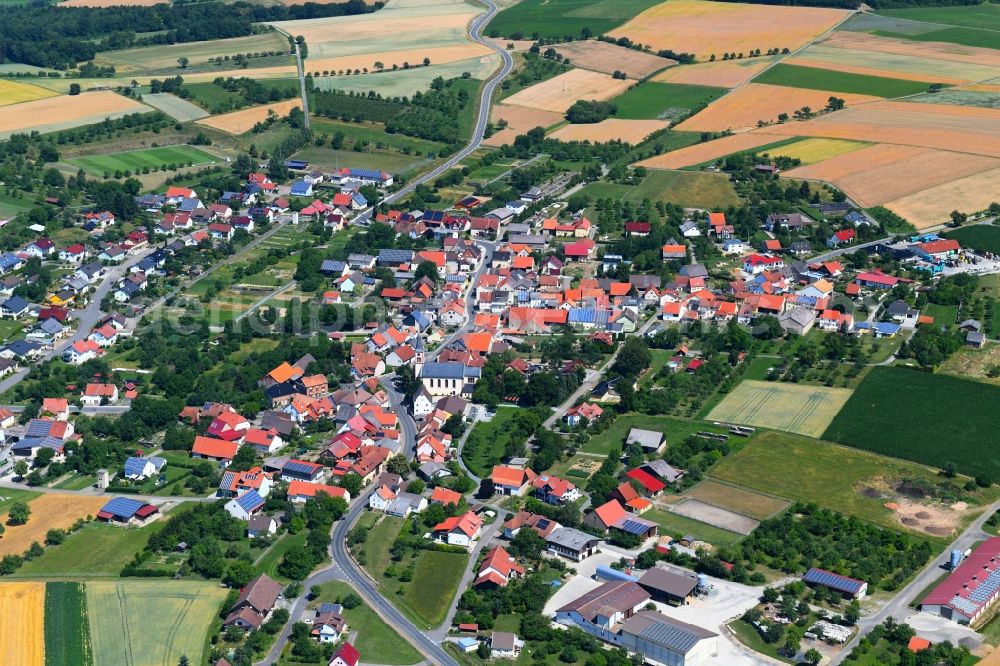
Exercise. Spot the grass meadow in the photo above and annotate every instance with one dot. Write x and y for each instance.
(663, 100)
(564, 18)
(814, 78)
(686, 188)
(927, 418)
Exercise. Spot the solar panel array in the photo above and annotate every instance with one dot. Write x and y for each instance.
(38, 428)
(249, 500)
(978, 597)
(670, 636)
(123, 507)
(299, 467)
(135, 466)
(832, 580)
(634, 527)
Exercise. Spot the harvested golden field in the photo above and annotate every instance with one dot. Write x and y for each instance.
(65, 111)
(946, 127)
(559, 93)
(708, 151)
(934, 205)
(519, 119)
(438, 56)
(885, 172)
(629, 131)
(741, 109)
(721, 73)
(239, 122)
(892, 65)
(705, 28)
(810, 151)
(609, 58)
(22, 616)
(49, 511)
(15, 92)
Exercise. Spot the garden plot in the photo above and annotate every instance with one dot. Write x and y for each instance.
(707, 28)
(559, 93)
(798, 408)
(610, 58)
(715, 516)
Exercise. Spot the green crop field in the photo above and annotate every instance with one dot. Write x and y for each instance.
(377, 641)
(980, 237)
(927, 418)
(67, 634)
(555, 19)
(96, 550)
(687, 188)
(164, 57)
(136, 160)
(814, 78)
(985, 16)
(149, 623)
(373, 134)
(964, 36)
(663, 100)
(798, 408)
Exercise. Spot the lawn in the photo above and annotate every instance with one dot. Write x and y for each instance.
(555, 19)
(376, 640)
(488, 448)
(151, 622)
(686, 188)
(10, 327)
(798, 408)
(10, 206)
(380, 540)
(811, 470)
(673, 524)
(664, 100)
(137, 160)
(96, 550)
(814, 78)
(67, 634)
(911, 415)
(268, 563)
(373, 133)
(376, 159)
(674, 429)
(944, 315)
(979, 237)
(434, 585)
(984, 16)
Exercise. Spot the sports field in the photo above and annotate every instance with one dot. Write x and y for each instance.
(912, 415)
(22, 609)
(663, 100)
(805, 410)
(150, 158)
(179, 109)
(65, 112)
(706, 28)
(810, 151)
(49, 511)
(15, 92)
(796, 76)
(151, 623)
(67, 632)
(556, 19)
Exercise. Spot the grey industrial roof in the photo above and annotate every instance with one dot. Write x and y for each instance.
(674, 583)
(574, 539)
(670, 633)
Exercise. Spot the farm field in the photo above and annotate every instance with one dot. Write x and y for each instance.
(366, 61)
(706, 28)
(743, 108)
(67, 633)
(749, 503)
(164, 57)
(853, 482)
(15, 92)
(108, 3)
(65, 112)
(96, 550)
(979, 237)
(708, 151)
(149, 623)
(242, 121)
(373, 133)
(956, 128)
(908, 414)
(610, 129)
(883, 172)
(663, 100)
(406, 82)
(610, 58)
(556, 19)
(559, 93)
(810, 151)
(984, 16)
(22, 609)
(519, 119)
(150, 158)
(721, 73)
(702, 190)
(805, 410)
(966, 96)
(179, 109)
(934, 205)
(49, 511)
(811, 78)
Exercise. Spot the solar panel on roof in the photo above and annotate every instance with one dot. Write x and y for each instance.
(134, 466)
(675, 638)
(634, 527)
(298, 467)
(249, 500)
(38, 428)
(543, 524)
(832, 580)
(123, 507)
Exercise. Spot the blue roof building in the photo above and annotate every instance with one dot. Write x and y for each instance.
(851, 587)
(246, 505)
(125, 509)
(301, 188)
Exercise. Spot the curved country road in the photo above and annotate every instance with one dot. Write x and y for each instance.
(343, 566)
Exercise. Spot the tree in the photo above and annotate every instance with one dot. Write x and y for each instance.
(398, 464)
(813, 656)
(958, 219)
(19, 513)
(379, 65)
(633, 358)
(74, 89)
(426, 269)
(853, 612)
(351, 482)
(21, 468)
(183, 62)
(184, 661)
(527, 543)
(239, 574)
(245, 458)
(351, 601)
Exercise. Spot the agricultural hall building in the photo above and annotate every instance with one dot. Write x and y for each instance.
(971, 589)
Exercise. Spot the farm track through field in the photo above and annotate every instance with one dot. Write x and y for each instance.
(123, 610)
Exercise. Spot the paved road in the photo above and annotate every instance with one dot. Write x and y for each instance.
(899, 607)
(850, 249)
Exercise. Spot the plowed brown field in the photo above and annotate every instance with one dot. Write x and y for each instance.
(608, 58)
